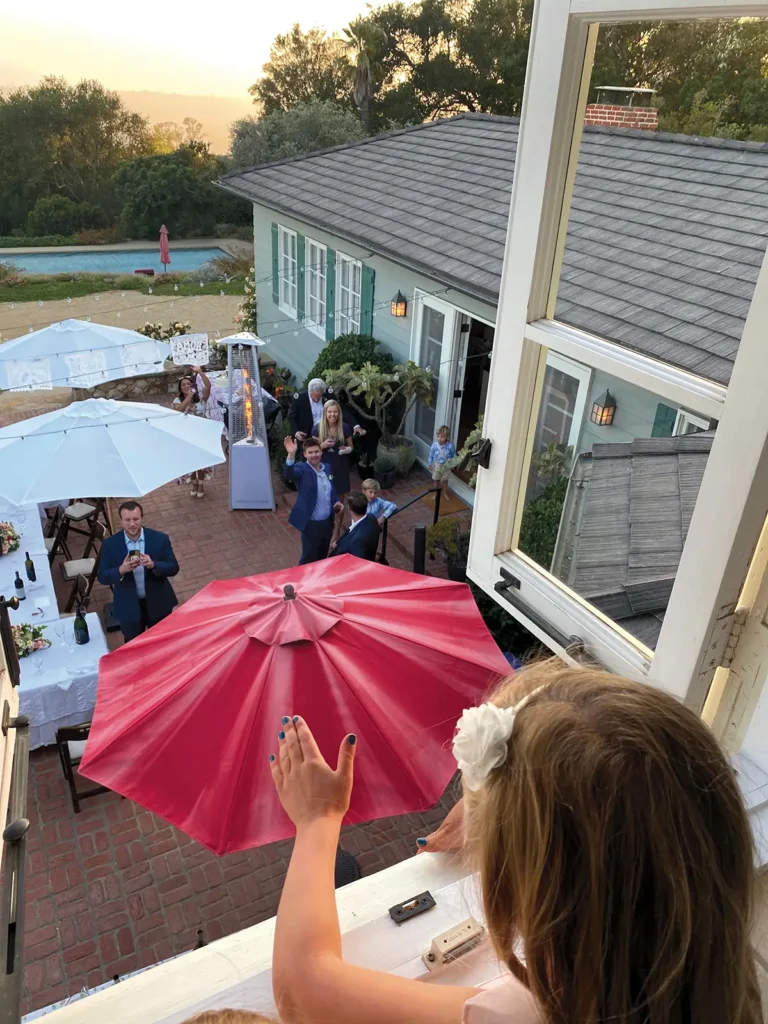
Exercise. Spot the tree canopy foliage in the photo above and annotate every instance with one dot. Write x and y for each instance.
(304, 128)
(302, 66)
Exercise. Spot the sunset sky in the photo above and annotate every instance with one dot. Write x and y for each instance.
(167, 47)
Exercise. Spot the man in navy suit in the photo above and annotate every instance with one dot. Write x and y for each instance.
(136, 562)
(316, 502)
(362, 537)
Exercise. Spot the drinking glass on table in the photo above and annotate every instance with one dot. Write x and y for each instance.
(62, 632)
(19, 522)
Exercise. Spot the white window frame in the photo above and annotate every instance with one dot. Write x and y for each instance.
(684, 417)
(699, 617)
(286, 280)
(583, 374)
(315, 269)
(346, 323)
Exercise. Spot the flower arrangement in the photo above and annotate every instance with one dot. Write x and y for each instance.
(245, 318)
(160, 333)
(29, 639)
(9, 539)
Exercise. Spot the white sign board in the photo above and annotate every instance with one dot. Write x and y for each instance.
(190, 349)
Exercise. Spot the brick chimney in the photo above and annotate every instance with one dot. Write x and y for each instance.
(623, 108)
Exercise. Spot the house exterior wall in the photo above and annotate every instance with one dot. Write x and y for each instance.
(636, 411)
(293, 345)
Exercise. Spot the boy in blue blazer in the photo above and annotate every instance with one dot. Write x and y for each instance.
(317, 501)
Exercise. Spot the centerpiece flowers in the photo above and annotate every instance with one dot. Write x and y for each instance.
(9, 539)
(29, 639)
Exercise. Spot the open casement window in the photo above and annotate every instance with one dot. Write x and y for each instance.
(349, 283)
(627, 488)
(288, 271)
(316, 259)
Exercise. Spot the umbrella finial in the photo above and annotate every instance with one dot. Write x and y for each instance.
(289, 592)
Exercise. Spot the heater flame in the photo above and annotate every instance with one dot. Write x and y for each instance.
(248, 403)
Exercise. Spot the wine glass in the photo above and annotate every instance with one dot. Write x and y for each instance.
(19, 521)
(62, 632)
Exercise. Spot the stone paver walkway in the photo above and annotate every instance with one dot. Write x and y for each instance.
(115, 888)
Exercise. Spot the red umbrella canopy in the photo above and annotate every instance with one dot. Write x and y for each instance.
(188, 713)
(165, 255)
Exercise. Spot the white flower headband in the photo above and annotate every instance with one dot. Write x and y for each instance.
(481, 739)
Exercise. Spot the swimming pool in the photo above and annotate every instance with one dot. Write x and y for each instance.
(123, 261)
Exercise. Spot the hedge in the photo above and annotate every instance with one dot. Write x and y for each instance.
(19, 242)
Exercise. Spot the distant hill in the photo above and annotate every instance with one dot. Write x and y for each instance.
(215, 113)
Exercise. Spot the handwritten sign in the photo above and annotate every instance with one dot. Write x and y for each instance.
(190, 349)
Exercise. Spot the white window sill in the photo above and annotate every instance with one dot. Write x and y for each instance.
(319, 332)
(292, 313)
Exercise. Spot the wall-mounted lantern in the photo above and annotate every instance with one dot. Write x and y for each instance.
(399, 305)
(603, 409)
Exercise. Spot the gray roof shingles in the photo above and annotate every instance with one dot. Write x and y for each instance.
(665, 241)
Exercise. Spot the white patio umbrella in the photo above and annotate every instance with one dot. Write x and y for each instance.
(77, 354)
(105, 449)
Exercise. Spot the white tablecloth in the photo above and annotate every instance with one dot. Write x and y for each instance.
(40, 603)
(63, 692)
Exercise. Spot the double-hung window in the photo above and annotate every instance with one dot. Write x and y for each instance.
(288, 270)
(315, 277)
(349, 275)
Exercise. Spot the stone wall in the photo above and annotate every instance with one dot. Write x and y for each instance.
(162, 383)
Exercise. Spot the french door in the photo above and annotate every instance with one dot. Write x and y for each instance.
(434, 348)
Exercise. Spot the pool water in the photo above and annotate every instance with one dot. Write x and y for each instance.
(124, 261)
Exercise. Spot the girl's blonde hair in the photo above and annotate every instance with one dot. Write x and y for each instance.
(230, 1017)
(613, 842)
(324, 430)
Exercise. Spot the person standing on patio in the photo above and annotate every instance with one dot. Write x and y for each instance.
(307, 410)
(313, 511)
(136, 562)
(192, 400)
(362, 537)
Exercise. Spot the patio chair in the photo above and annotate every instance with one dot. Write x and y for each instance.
(76, 570)
(86, 513)
(70, 741)
(57, 544)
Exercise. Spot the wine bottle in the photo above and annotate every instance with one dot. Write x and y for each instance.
(29, 565)
(81, 626)
(19, 585)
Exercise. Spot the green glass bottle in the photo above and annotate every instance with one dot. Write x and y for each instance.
(81, 626)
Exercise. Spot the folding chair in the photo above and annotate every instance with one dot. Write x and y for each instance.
(86, 513)
(70, 741)
(74, 570)
(58, 542)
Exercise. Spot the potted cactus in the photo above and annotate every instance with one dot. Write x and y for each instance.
(384, 469)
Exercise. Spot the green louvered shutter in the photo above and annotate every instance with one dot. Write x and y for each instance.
(664, 423)
(330, 294)
(366, 301)
(275, 265)
(301, 290)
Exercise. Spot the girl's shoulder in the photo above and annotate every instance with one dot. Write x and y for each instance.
(504, 1001)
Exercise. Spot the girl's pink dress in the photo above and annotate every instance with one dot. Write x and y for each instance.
(504, 1001)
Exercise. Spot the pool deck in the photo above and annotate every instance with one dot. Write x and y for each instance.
(233, 246)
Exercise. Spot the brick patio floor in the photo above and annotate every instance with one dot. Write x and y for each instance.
(116, 888)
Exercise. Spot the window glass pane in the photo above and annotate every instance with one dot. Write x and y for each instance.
(668, 223)
(613, 478)
(431, 334)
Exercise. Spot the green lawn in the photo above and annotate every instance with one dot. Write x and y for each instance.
(34, 288)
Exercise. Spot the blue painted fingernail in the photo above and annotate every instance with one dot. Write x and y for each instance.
(281, 735)
(285, 720)
(421, 842)
(295, 718)
(351, 739)
(271, 757)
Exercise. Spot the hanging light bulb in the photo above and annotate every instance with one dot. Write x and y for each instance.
(97, 299)
(197, 298)
(171, 302)
(150, 291)
(88, 319)
(145, 308)
(69, 302)
(29, 330)
(122, 295)
(221, 293)
(40, 303)
(118, 316)
(175, 287)
(12, 305)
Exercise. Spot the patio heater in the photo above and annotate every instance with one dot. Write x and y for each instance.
(250, 471)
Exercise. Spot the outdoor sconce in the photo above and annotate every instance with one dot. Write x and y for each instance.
(399, 305)
(603, 409)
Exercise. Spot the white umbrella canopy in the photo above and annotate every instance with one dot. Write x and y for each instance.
(103, 448)
(77, 354)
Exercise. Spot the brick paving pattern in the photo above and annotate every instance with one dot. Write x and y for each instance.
(115, 888)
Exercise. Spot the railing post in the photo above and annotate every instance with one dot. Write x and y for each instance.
(438, 495)
(384, 535)
(420, 549)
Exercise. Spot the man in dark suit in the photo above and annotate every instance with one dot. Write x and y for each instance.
(362, 537)
(307, 409)
(317, 501)
(136, 562)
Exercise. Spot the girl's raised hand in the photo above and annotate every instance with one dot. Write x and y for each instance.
(306, 784)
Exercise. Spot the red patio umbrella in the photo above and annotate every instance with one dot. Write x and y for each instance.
(165, 253)
(188, 713)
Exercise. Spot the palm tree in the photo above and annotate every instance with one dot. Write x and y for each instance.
(363, 41)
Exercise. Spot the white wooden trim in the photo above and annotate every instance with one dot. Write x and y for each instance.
(342, 257)
(285, 307)
(683, 388)
(654, 10)
(316, 326)
(583, 374)
(727, 523)
(447, 368)
(684, 417)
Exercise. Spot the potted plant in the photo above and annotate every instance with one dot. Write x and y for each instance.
(450, 538)
(384, 468)
(373, 393)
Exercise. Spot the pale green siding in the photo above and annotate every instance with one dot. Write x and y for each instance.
(635, 412)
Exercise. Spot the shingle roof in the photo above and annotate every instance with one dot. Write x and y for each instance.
(665, 241)
(637, 501)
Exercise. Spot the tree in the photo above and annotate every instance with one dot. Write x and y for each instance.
(166, 136)
(173, 189)
(302, 66)
(193, 130)
(58, 215)
(309, 126)
(364, 41)
(57, 138)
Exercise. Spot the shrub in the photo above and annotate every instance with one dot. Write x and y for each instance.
(24, 241)
(541, 522)
(59, 214)
(9, 275)
(448, 537)
(243, 232)
(98, 236)
(503, 627)
(355, 349)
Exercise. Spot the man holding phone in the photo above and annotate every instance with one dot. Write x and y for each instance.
(136, 562)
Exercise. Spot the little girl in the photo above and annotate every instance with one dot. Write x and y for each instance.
(441, 451)
(614, 854)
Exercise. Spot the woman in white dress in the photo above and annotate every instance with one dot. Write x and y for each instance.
(195, 400)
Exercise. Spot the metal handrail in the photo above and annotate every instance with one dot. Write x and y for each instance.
(437, 491)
